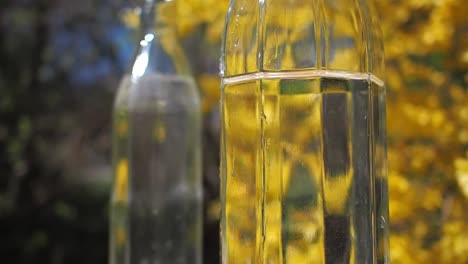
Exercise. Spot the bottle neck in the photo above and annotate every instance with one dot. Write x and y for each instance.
(159, 50)
(158, 15)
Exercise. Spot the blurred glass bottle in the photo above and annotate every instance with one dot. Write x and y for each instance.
(303, 153)
(156, 210)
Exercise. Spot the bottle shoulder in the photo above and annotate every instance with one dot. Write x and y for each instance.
(160, 92)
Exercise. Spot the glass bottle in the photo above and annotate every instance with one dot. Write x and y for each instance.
(303, 153)
(156, 204)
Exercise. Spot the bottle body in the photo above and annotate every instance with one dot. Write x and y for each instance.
(162, 216)
(301, 176)
(303, 153)
(157, 157)
(156, 206)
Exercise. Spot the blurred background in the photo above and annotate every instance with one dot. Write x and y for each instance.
(60, 65)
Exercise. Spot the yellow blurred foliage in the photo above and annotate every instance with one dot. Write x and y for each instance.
(427, 127)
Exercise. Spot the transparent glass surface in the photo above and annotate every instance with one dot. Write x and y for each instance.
(303, 152)
(156, 210)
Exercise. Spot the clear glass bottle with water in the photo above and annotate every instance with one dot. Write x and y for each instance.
(303, 153)
(156, 210)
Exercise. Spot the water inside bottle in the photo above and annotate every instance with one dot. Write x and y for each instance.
(303, 174)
